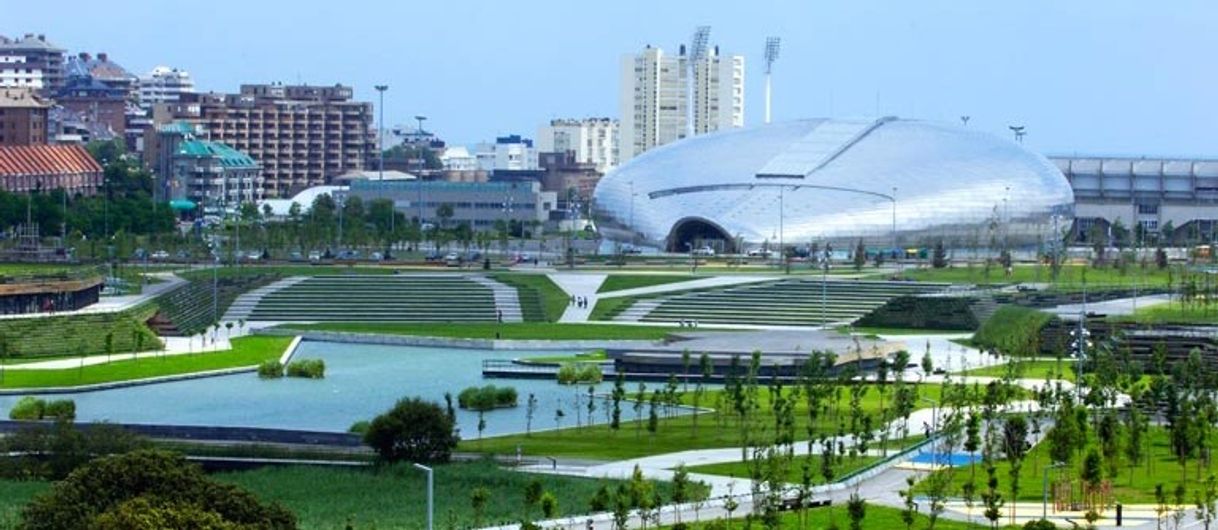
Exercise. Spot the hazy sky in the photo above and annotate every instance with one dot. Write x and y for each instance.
(1098, 76)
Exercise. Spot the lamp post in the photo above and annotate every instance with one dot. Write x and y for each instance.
(419, 181)
(380, 144)
(430, 493)
(894, 222)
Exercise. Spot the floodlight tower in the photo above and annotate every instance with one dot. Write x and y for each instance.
(771, 55)
(697, 50)
(1019, 132)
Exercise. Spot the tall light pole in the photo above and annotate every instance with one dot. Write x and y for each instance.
(964, 120)
(894, 222)
(380, 139)
(1019, 132)
(430, 493)
(419, 180)
(771, 55)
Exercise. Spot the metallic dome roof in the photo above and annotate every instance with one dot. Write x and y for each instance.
(836, 181)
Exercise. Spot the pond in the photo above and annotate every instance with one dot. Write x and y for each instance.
(361, 381)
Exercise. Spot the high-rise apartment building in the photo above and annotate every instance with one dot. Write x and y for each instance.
(592, 140)
(23, 117)
(31, 62)
(655, 97)
(164, 85)
(300, 135)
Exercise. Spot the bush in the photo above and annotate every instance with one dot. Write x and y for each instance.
(487, 397)
(307, 368)
(359, 427)
(51, 452)
(270, 369)
(580, 373)
(60, 409)
(27, 408)
(1013, 330)
(413, 431)
(148, 489)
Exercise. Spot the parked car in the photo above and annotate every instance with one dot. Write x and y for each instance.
(160, 255)
(452, 259)
(434, 255)
(376, 256)
(631, 250)
(315, 256)
(297, 256)
(704, 251)
(759, 253)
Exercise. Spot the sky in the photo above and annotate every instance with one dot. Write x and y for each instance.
(1083, 76)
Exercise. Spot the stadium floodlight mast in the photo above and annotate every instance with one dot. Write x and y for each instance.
(380, 139)
(697, 50)
(419, 178)
(771, 55)
(1019, 132)
(964, 119)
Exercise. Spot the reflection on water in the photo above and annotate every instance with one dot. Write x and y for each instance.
(361, 381)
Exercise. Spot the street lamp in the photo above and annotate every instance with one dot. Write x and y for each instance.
(380, 139)
(419, 180)
(430, 493)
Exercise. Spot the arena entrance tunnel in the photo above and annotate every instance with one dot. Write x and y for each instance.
(695, 232)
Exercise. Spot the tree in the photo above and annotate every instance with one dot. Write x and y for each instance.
(1092, 475)
(860, 256)
(1207, 501)
(477, 501)
(618, 394)
(1015, 444)
(413, 431)
(680, 487)
(856, 508)
(530, 410)
(444, 212)
(910, 511)
(148, 489)
(549, 505)
(533, 492)
(928, 364)
(939, 258)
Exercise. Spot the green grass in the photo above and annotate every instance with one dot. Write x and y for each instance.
(1028, 370)
(1013, 330)
(607, 308)
(513, 331)
(42, 269)
(674, 434)
(896, 331)
(619, 282)
(75, 335)
(285, 270)
(540, 298)
(247, 351)
(589, 357)
(396, 497)
(875, 518)
(1132, 485)
(1173, 313)
(794, 472)
(14, 495)
(1071, 276)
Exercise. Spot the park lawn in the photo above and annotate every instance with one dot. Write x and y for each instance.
(673, 434)
(14, 494)
(1028, 370)
(620, 282)
(1070, 278)
(247, 351)
(40, 269)
(875, 518)
(510, 331)
(607, 308)
(795, 471)
(554, 300)
(1173, 313)
(1133, 485)
(589, 357)
(396, 497)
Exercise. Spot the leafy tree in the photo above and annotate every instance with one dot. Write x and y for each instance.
(412, 431)
(909, 513)
(530, 411)
(478, 498)
(148, 489)
(860, 256)
(939, 258)
(1207, 501)
(856, 508)
(533, 492)
(549, 505)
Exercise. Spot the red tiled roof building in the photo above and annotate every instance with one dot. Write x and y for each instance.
(47, 167)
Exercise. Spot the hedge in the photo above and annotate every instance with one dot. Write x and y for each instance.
(1013, 330)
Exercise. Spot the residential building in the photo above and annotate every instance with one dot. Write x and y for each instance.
(23, 117)
(458, 158)
(571, 179)
(655, 97)
(480, 204)
(25, 168)
(164, 85)
(510, 153)
(591, 140)
(31, 62)
(100, 107)
(101, 69)
(188, 167)
(300, 135)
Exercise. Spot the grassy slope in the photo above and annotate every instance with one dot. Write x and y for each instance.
(1028, 370)
(247, 351)
(1174, 313)
(674, 434)
(396, 497)
(554, 300)
(607, 308)
(875, 518)
(1071, 276)
(522, 330)
(1013, 330)
(1131, 486)
(619, 282)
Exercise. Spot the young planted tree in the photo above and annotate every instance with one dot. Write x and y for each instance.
(1015, 446)
(529, 411)
(856, 508)
(618, 394)
(478, 498)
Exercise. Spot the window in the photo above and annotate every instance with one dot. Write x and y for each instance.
(1148, 209)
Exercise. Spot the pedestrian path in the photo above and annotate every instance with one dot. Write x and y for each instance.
(580, 286)
(173, 346)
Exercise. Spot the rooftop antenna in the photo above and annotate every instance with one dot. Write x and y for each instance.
(697, 50)
(1019, 132)
(771, 55)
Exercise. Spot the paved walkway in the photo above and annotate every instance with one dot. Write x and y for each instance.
(114, 304)
(578, 285)
(173, 346)
(1120, 306)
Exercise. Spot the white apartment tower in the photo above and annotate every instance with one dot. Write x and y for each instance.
(655, 97)
(164, 85)
(593, 140)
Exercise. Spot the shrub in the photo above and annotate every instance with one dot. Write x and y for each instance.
(270, 369)
(359, 427)
(486, 397)
(307, 368)
(60, 409)
(51, 452)
(579, 373)
(148, 489)
(27, 408)
(1013, 330)
(413, 431)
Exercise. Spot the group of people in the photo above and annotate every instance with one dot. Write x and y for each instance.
(579, 301)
